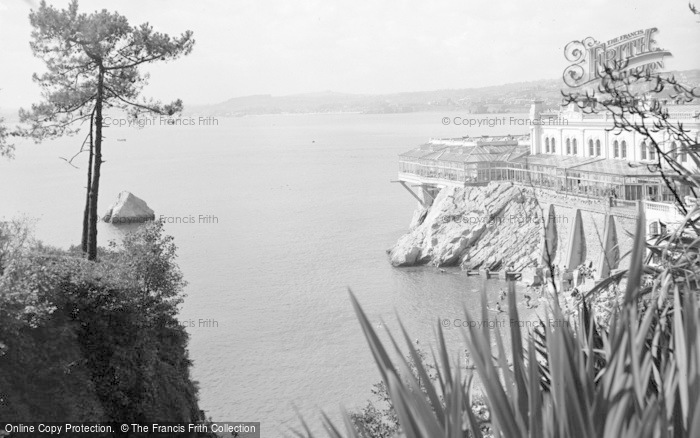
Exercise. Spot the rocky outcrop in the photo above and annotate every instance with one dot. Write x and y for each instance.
(129, 209)
(493, 227)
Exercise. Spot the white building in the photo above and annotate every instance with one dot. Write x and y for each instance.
(569, 153)
(599, 157)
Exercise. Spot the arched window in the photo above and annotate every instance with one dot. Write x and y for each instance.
(657, 227)
(643, 150)
(591, 151)
(623, 149)
(554, 146)
(597, 148)
(654, 228)
(574, 147)
(546, 144)
(568, 146)
(616, 149)
(684, 153)
(652, 152)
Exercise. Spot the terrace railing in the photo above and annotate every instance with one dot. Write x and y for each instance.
(522, 176)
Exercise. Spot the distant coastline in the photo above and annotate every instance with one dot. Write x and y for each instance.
(498, 99)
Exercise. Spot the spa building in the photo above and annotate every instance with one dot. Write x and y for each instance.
(566, 151)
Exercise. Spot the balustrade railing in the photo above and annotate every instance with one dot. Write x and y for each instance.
(524, 177)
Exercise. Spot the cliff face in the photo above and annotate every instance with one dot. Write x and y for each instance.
(492, 227)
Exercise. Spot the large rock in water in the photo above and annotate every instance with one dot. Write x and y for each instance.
(129, 209)
(474, 227)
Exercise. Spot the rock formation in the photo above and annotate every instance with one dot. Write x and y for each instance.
(128, 209)
(493, 227)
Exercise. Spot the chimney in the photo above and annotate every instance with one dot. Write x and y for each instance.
(536, 127)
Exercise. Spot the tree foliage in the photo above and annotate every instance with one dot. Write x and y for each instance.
(81, 341)
(6, 148)
(93, 65)
(77, 49)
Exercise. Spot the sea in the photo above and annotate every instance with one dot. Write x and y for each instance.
(278, 219)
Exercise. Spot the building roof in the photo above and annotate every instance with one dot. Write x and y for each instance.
(591, 164)
(555, 160)
(620, 167)
(690, 111)
(472, 149)
(467, 154)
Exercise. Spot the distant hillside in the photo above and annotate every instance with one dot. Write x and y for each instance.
(514, 97)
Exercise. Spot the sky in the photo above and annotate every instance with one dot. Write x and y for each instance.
(283, 47)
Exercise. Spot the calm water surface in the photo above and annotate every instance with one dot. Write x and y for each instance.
(304, 211)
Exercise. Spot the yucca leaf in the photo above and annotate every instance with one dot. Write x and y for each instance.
(637, 257)
(473, 423)
(679, 348)
(453, 427)
(425, 378)
(350, 427)
(410, 424)
(480, 350)
(518, 355)
(303, 424)
(694, 429)
(441, 382)
(333, 432)
(534, 394)
(442, 346)
(415, 400)
(375, 345)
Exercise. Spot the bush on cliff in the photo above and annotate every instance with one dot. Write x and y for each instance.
(83, 341)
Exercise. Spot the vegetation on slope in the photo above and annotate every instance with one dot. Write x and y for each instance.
(86, 341)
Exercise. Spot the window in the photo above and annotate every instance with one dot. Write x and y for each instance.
(654, 228)
(643, 150)
(554, 146)
(673, 151)
(684, 153)
(597, 148)
(568, 146)
(546, 144)
(574, 147)
(616, 149)
(652, 152)
(623, 152)
(591, 151)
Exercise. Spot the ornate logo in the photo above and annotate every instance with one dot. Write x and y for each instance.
(634, 51)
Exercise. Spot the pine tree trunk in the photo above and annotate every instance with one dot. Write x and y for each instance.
(95, 186)
(86, 214)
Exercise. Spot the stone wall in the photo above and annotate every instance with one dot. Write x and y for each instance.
(625, 237)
